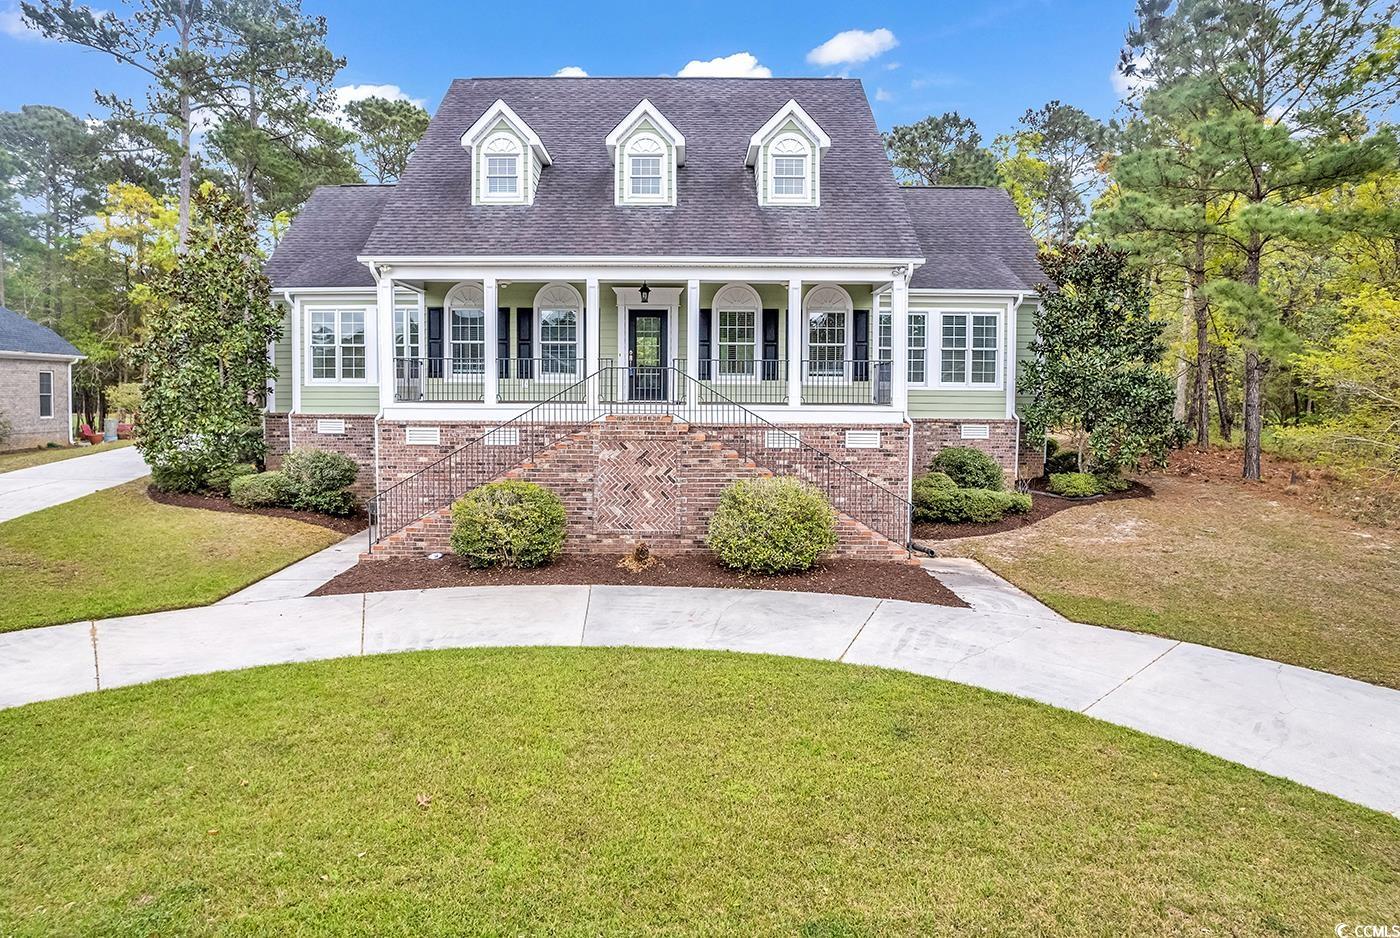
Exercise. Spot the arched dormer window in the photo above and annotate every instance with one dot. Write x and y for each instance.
(500, 168)
(786, 155)
(645, 148)
(508, 157)
(645, 169)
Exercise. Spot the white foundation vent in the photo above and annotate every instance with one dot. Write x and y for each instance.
(975, 431)
(780, 439)
(862, 439)
(503, 436)
(334, 427)
(422, 436)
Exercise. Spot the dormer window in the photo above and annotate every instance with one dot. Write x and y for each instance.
(646, 149)
(786, 155)
(507, 158)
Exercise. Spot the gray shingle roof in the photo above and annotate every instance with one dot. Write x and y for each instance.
(861, 215)
(320, 248)
(973, 239)
(18, 334)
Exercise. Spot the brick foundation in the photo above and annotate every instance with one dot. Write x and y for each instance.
(930, 436)
(357, 442)
(276, 429)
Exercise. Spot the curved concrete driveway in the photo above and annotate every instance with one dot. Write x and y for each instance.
(1335, 734)
(39, 487)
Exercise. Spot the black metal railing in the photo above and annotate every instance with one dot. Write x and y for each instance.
(751, 381)
(678, 395)
(843, 381)
(439, 380)
(530, 380)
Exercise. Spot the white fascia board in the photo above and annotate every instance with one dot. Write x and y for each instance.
(790, 110)
(645, 109)
(42, 356)
(496, 112)
(953, 294)
(624, 260)
(481, 413)
(348, 291)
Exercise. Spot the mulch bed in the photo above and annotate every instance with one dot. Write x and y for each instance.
(877, 579)
(1043, 505)
(351, 525)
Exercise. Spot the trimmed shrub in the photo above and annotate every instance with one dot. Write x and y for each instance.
(219, 479)
(259, 490)
(1112, 482)
(1064, 460)
(936, 498)
(774, 525)
(1074, 484)
(179, 475)
(969, 468)
(317, 479)
(509, 523)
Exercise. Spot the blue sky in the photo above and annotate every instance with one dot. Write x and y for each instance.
(989, 60)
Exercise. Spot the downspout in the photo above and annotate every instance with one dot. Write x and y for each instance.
(1013, 321)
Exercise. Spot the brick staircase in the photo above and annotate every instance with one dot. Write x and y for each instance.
(633, 478)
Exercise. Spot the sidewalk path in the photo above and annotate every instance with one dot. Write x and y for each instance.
(303, 577)
(25, 490)
(1333, 733)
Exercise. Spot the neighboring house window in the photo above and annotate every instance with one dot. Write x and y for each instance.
(46, 394)
(338, 348)
(736, 338)
(968, 348)
(468, 340)
(789, 170)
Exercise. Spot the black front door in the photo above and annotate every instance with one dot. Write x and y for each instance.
(646, 355)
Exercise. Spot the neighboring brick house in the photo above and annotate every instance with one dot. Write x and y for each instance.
(731, 256)
(36, 381)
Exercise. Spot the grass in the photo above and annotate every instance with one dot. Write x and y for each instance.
(591, 791)
(1263, 574)
(116, 552)
(24, 458)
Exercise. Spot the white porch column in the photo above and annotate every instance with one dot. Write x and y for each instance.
(1012, 312)
(692, 328)
(794, 343)
(298, 354)
(899, 342)
(492, 323)
(386, 374)
(592, 335)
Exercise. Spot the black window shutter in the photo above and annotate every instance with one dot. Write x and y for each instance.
(770, 345)
(525, 341)
(435, 341)
(860, 345)
(503, 341)
(704, 372)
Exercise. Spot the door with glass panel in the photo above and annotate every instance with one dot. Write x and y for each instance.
(646, 355)
(408, 353)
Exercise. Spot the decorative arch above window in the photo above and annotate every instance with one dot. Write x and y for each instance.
(786, 154)
(828, 334)
(645, 149)
(507, 157)
(466, 329)
(559, 330)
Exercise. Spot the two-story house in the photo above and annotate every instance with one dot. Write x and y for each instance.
(636, 289)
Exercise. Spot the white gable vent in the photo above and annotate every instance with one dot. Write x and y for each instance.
(780, 439)
(422, 436)
(503, 436)
(975, 431)
(330, 426)
(862, 439)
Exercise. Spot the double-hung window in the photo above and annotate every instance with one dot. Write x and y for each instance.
(790, 176)
(735, 340)
(646, 175)
(407, 349)
(916, 350)
(502, 175)
(338, 347)
(46, 394)
(826, 343)
(468, 341)
(968, 348)
(559, 341)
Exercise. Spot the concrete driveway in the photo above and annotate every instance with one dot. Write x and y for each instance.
(39, 487)
(1332, 733)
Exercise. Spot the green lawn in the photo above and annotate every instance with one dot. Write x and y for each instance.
(593, 791)
(1264, 574)
(24, 458)
(116, 552)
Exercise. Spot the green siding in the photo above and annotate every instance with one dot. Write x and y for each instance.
(1025, 331)
(924, 402)
(340, 399)
(282, 361)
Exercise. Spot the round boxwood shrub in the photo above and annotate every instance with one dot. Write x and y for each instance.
(1065, 460)
(969, 468)
(317, 481)
(259, 490)
(508, 524)
(220, 478)
(931, 493)
(773, 525)
(937, 498)
(1074, 484)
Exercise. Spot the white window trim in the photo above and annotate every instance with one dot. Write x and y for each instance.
(809, 194)
(538, 329)
(745, 300)
(484, 155)
(849, 331)
(928, 317)
(52, 409)
(935, 346)
(371, 345)
(530, 153)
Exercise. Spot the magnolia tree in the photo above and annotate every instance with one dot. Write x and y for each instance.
(1096, 362)
(204, 353)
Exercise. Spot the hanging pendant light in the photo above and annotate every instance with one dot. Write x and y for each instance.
(645, 291)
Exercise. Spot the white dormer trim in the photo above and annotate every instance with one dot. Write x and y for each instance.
(501, 133)
(786, 156)
(790, 111)
(645, 110)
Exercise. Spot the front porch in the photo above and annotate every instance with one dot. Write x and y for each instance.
(504, 344)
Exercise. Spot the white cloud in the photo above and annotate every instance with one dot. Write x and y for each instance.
(12, 24)
(1128, 86)
(852, 47)
(571, 71)
(882, 95)
(738, 65)
(348, 93)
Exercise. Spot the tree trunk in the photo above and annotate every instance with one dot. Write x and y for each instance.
(182, 230)
(1254, 368)
(1222, 394)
